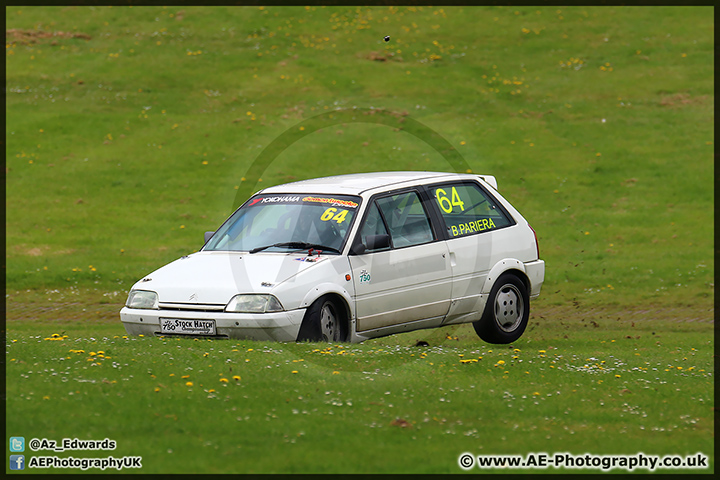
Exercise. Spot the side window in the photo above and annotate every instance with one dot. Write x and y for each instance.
(373, 225)
(407, 222)
(466, 209)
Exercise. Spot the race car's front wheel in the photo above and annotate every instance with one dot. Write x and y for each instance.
(506, 312)
(324, 321)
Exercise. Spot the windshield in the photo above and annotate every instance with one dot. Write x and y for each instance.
(281, 223)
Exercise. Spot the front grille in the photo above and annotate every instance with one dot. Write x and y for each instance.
(192, 307)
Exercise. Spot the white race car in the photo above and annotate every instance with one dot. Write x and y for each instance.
(352, 257)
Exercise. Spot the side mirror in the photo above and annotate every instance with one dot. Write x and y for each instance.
(372, 242)
(208, 236)
(375, 242)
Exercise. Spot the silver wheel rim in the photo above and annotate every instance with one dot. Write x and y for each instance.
(509, 308)
(328, 323)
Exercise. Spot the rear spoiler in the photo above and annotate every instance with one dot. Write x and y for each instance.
(489, 179)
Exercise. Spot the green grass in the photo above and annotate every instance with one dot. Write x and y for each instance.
(118, 126)
(126, 143)
(610, 389)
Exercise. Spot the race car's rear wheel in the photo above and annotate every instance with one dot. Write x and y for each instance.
(325, 321)
(506, 312)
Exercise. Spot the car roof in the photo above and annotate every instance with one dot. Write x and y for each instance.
(359, 183)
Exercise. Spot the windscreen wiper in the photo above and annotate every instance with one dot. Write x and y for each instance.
(298, 245)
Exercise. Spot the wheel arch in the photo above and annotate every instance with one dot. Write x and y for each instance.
(506, 265)
(338, 293)
(323, 289)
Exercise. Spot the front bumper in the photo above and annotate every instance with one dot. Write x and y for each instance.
(278, 327)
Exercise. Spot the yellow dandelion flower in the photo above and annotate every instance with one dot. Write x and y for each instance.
(189, 384)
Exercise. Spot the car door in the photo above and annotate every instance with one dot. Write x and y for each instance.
(406, 280)
(470, 215)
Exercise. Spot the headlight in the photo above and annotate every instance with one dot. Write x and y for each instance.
(252, 303)
(142, 299)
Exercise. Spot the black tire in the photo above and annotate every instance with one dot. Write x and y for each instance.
(506, 312)
(325, 321)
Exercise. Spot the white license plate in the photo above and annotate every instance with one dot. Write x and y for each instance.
(184, 326)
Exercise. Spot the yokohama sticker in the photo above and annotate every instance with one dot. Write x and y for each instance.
(285, 199)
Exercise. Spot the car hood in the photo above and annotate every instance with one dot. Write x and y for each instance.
(215, 277)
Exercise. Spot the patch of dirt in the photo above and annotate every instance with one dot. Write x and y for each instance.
(39, 250)
(401, 422)
(639, 313)
(36, 36)
(63, 311)
(64, 306)
(383, 57)
(682, 99)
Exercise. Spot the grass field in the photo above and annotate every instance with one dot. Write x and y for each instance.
(383, 406)
(131, 131)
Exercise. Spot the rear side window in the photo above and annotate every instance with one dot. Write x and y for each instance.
(467, 209)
